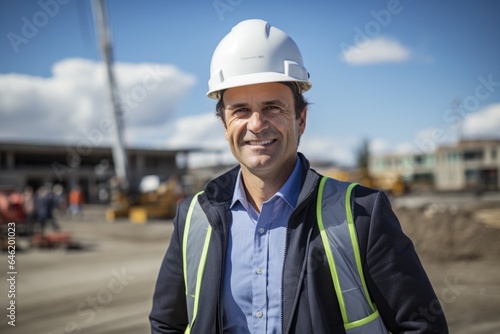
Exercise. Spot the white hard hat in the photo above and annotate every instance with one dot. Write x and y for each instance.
(256, 52)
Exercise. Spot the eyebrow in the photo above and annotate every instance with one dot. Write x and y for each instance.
(274, 103)
(265, 103)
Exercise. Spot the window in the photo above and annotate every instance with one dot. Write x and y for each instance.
(473, 155)
(452, 156)
(418, 159)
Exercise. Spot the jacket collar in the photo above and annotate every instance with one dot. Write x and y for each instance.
(221, 189)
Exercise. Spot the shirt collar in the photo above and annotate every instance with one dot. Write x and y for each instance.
(289, 191)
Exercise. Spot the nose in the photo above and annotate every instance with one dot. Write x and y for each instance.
(257, 122)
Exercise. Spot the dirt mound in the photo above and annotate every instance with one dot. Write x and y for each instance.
(448, 233)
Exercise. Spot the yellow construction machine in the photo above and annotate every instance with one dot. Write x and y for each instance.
(154, 198)
(389, 183)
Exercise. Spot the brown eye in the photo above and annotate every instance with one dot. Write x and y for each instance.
(273, 109)
(240, 112)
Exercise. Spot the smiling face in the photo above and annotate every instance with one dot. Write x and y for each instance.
(262, 128)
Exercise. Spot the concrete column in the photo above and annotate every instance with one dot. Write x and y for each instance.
(10, 160)
(140, 164)
(93, 189)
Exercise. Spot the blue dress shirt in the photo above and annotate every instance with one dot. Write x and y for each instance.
(251, 292)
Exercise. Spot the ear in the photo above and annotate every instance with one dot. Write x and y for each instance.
(302, 121)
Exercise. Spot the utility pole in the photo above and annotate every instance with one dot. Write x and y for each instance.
(120, 158)
(456, 104)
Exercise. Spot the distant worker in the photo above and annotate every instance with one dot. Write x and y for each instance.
(29, 209)
(60, 202)
(272, 246)
(45, 209)
(75, 200)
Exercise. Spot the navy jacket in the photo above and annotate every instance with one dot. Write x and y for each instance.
(394, 275)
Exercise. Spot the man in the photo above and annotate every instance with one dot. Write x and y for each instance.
(75, 199)
(272, 246)
(45, 209)
(29, 209)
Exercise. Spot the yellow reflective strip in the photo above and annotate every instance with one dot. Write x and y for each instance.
(328, 251)
(363, 321)
(354, 240)
(187, 225)
(201, 269)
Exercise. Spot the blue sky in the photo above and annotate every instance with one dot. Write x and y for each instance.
(387, 71)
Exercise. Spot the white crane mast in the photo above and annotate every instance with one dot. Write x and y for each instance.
(120, 158)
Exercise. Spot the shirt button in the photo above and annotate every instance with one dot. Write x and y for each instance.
(261, 230)
(259, 314)
(259, 271)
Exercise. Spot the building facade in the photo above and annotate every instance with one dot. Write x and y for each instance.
(470, 165)
(36, 164)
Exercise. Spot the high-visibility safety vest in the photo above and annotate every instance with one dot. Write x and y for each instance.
(338, 234)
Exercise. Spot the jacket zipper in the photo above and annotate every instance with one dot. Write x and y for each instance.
(283, 273)
(212, 218)
(219, 311)
(287, 241)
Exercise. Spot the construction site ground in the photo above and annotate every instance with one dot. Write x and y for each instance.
(104, 282)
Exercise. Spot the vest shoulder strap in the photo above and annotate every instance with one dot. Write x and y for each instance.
(195, 242)
(338, 233)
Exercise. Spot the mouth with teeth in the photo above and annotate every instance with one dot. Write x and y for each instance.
(260, 142)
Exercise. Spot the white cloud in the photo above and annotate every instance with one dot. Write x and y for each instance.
(74, 101)
(405, 148)
(197, 131)
(375, 51)
(379, 146)
(483, 123)
(202, 130)
(338, 150)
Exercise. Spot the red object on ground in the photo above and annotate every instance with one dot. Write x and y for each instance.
(52, 239)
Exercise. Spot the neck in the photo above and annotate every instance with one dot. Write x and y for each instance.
(261, 187)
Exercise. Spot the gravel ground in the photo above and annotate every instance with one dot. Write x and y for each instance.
(107, 284)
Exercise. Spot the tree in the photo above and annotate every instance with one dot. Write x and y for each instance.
(363, 155)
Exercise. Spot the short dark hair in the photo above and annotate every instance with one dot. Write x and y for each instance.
(300, 101)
